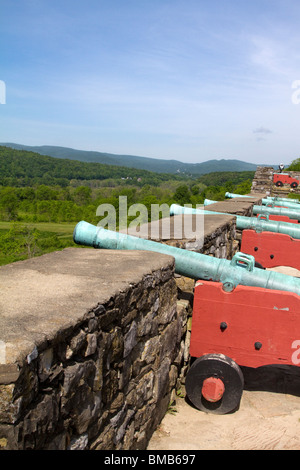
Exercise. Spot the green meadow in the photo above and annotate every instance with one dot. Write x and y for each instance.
(19, 241)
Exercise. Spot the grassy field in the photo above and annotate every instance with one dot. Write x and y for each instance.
(65, 228)
(47, 237)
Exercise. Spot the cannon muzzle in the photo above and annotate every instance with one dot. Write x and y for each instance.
(208, 202)
(232, 195)
(240, 270)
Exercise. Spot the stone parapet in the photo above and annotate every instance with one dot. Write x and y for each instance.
(237, 206)
(263, 180)
(216, 234)
(92, 344)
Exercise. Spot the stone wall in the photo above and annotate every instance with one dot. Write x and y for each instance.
(262, 181)
(92, 347)
(216, 237)
(95, 343)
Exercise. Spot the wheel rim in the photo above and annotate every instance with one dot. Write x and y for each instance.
(215, 384)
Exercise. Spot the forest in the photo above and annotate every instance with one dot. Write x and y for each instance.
(42, 198)
(294, 166)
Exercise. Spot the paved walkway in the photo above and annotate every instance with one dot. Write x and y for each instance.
(268, 417)
(264, 421)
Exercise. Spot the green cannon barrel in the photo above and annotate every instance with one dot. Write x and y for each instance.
(240, 270)
(265, 202)
(286, 211)
(281, 203)
(259, 224)
(269, 198)
(292, 203)
(263, 224)
(208, 202)
(232, 195)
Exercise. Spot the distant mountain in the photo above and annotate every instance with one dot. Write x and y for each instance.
(143, 163)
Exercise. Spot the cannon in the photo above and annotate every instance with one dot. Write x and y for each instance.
(280, 203)
(264, 224)
(250, 327)
(232, 195)
(273, 215)
(234, 306)
(269, 199)
(280, 211)
(277, 201)
(208, 202)
(282, 199)
(240, 270)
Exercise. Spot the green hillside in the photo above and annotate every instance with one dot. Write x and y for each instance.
(137, 162)
(25, 168)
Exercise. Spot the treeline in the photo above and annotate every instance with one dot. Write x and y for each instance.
(294, 166)
(21, 168)
(226, 178)
(67, 204)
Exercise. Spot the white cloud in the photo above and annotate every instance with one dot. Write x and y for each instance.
(262, 130)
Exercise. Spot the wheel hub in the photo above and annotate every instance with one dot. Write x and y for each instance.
(213, 389)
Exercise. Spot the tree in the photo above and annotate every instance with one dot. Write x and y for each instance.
(295, 165)
(9, 203)
(82, 195)
(182, 195)
(20, 241)
(243, 188)
(45, 193)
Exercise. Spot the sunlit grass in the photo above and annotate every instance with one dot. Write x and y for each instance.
(63, 228)
(52, 237)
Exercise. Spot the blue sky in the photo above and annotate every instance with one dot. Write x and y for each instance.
(190, 80)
